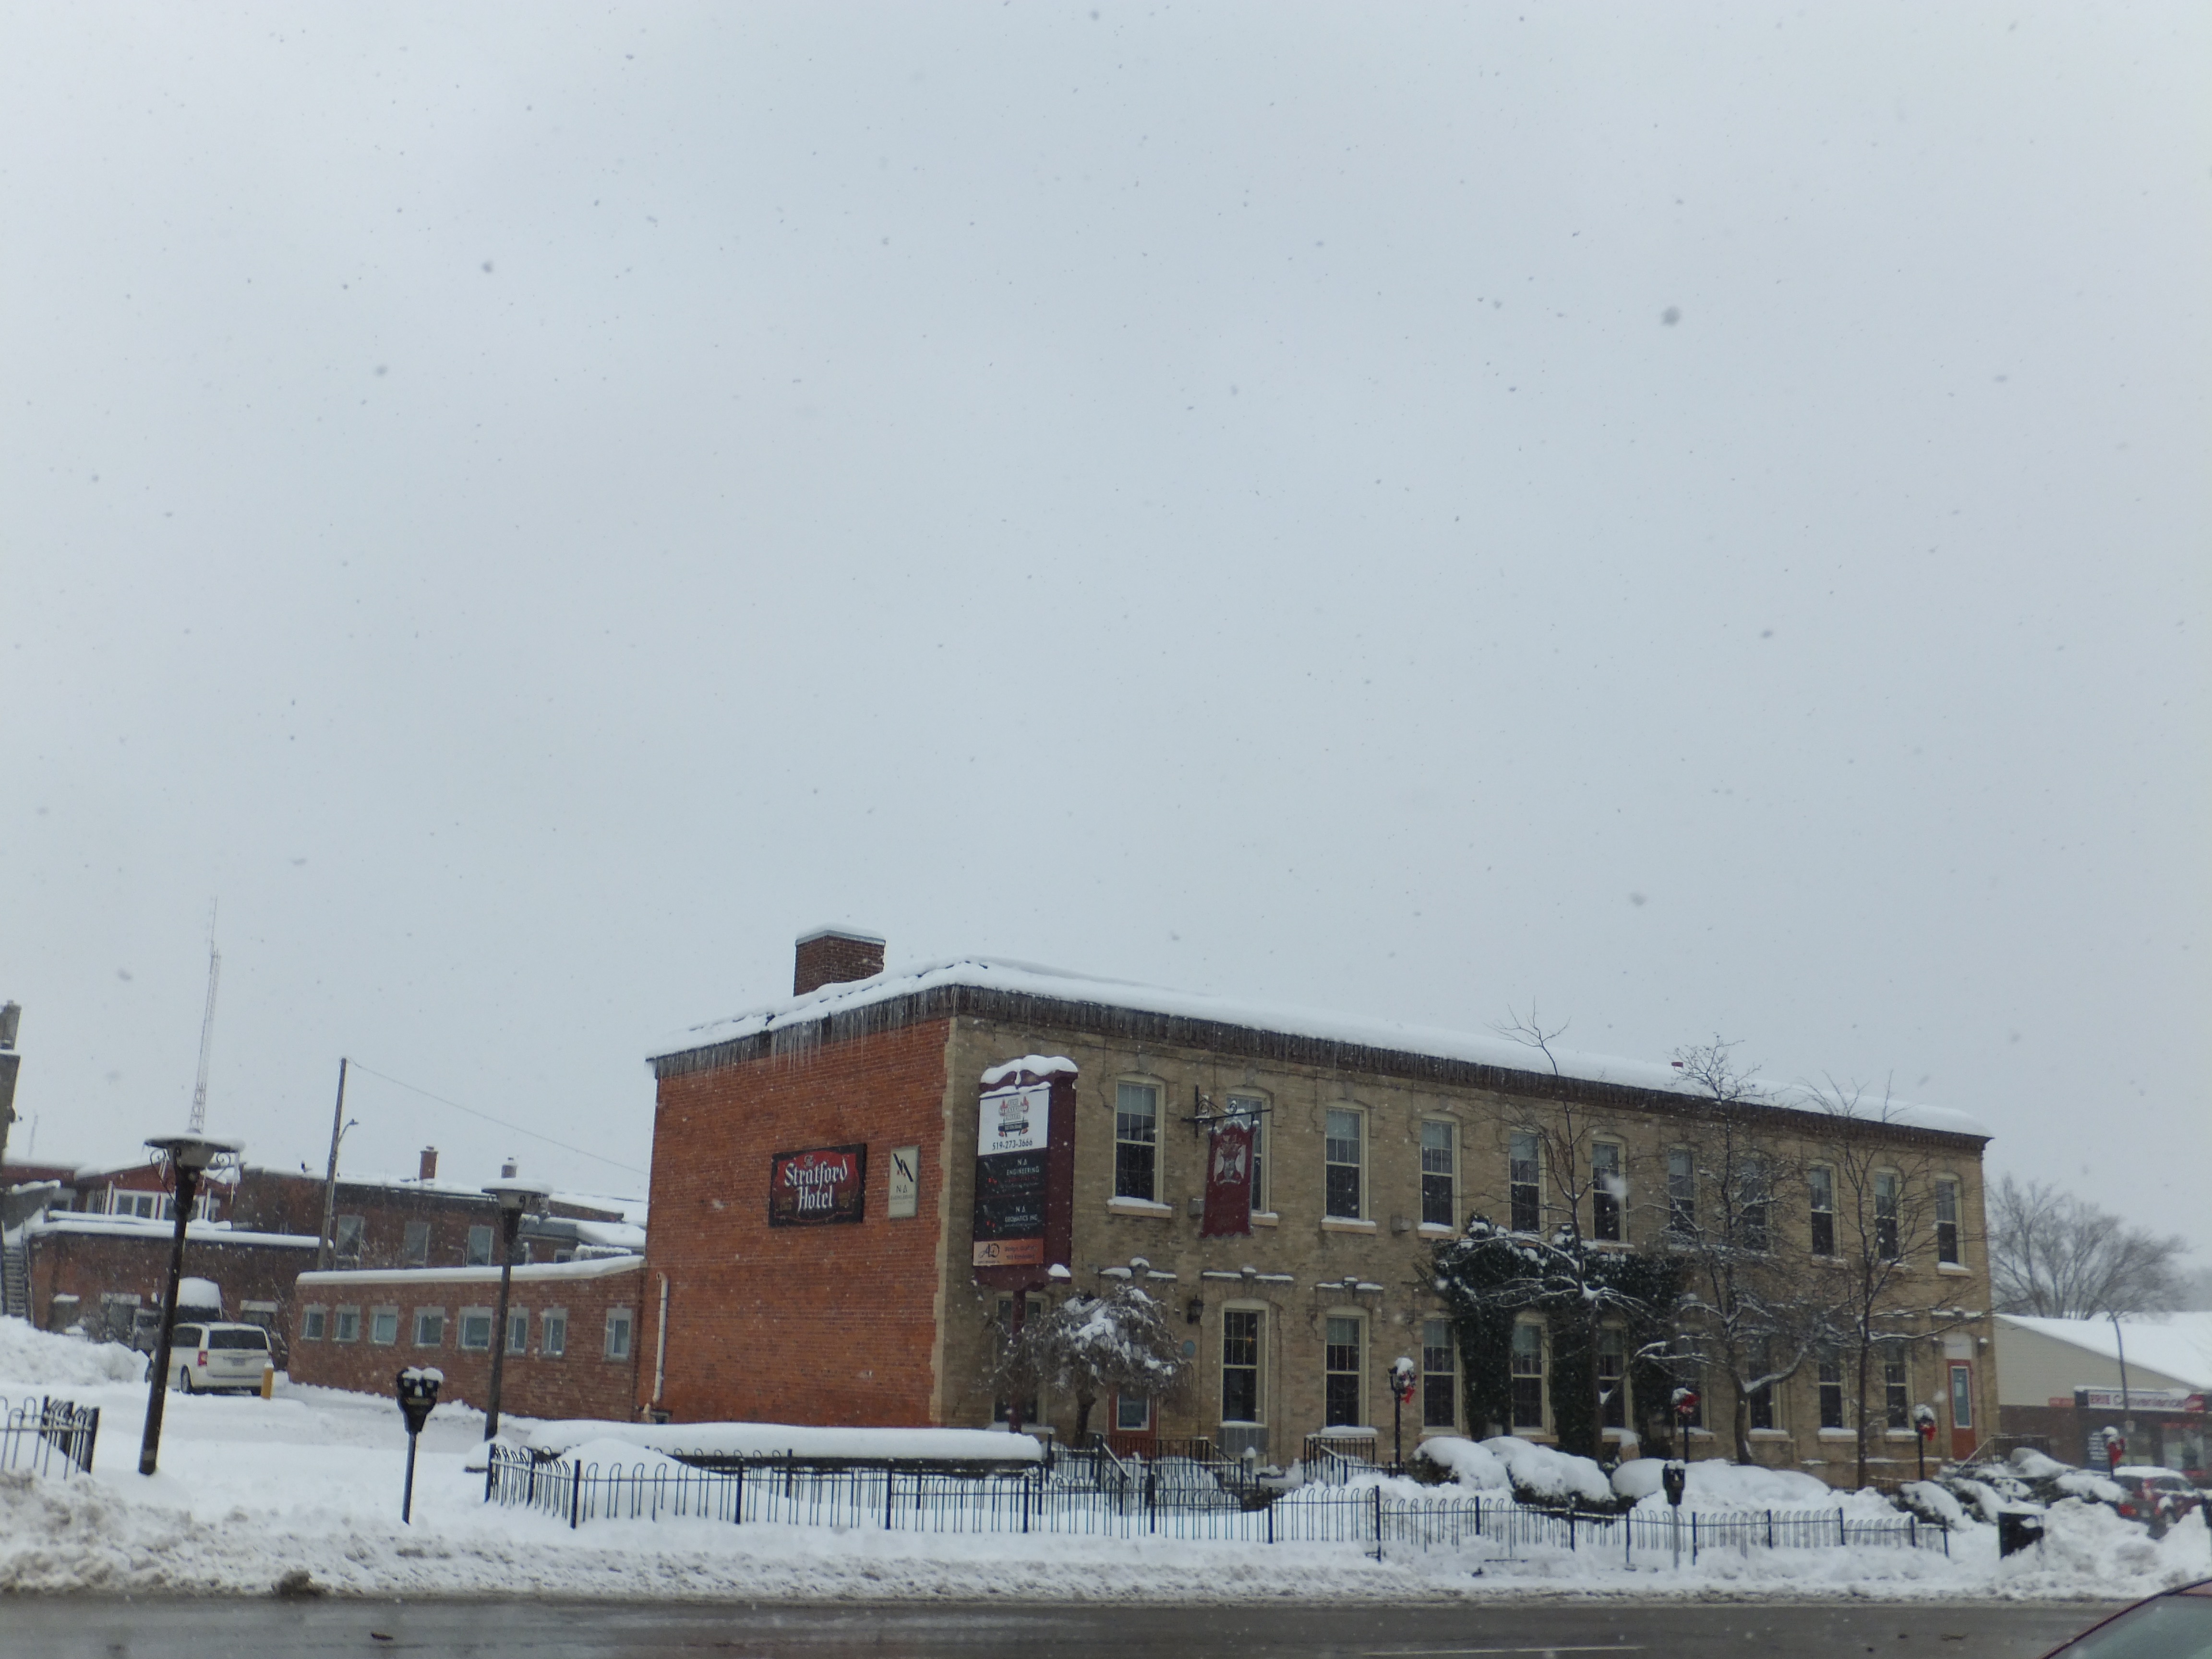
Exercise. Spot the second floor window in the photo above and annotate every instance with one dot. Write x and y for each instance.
(1523, 1172)
(1946, 1222)
(618, 1328)
(430, 1328)
(1750, 1205)
(479, 1247)
(415, 1253)
(1886, 1196)
(1820, 1186)
(1608, 1193)
(553, 1330)
(1136, 1140)
(1437, 1202)
(1681, 1191)
(349, 1236)
(1342, 1147)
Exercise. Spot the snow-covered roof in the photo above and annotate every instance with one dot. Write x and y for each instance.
(2178, 1345)
(1027, 979)
(196, 1233)
(527, 1273)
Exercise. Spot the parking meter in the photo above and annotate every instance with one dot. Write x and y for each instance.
(417, 1387)
(1674, 1477)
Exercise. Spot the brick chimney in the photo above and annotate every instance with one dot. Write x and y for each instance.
(429, 1170)
(834, 956)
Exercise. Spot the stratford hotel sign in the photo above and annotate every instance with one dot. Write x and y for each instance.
(824, 1183)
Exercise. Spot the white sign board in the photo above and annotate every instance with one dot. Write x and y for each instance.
(1014, 1120)
(906, 1182)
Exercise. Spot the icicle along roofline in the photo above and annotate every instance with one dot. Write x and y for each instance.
(1025, 991)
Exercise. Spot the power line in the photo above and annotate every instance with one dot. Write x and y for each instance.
(516, 1128)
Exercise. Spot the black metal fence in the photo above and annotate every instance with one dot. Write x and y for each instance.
(53, 1436)
(1094, 1500)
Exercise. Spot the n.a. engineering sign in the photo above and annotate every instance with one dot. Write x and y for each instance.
(824, 1183)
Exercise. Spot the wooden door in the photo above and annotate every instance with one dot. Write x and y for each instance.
(1963, 1438)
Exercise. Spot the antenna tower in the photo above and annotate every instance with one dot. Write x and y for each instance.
(198, 1125)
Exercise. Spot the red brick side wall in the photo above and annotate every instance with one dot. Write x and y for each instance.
(830, 1323)
(581, 1383)
(86, 1265)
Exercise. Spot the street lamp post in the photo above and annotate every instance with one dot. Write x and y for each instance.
(190, 1156)
(515, 1199)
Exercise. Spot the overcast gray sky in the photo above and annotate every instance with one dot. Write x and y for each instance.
(1693, 515)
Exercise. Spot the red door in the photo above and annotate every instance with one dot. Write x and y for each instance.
(1962, 1409)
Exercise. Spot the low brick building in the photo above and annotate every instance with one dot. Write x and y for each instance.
(816, 1218)
(2064, 1387)
(107, 1274)
(573, 1346)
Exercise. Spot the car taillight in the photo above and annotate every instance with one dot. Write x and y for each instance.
(202, 1358)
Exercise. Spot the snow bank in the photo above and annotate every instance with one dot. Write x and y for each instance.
(2088, 1550)
(774, 1439)
(1465, 1462)
(1931, 1501)
(2033, 1465)
(1544, 1474)
(40, 1360)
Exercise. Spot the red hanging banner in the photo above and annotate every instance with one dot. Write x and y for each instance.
(1228, 1181)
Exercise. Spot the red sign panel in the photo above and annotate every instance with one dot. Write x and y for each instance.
(824, 1183)
(1229, 1182)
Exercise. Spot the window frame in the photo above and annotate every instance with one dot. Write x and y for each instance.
(1331, 1185)
(1257, 1313)
(341, 1317)
(1525, 1214)
(415, 1244)
(1683, 1192)
(1439, 1382)
(1950, 1241)
(622, 1319)
(461, 1322)
(1122, 1402)
(1336, 1379)
(1820, 1207)
(1538, 1380)
(489, 1245)
(1764, 1406)
(1439, 1186)
(518, 1317)
(1896, 1357)
(1888, 1215)
(553, 1334)
(1823, 1384)
(1754, 1204)
(1129, 1153)
(1613, 1413)
(355, 1227)
(1603, 1203)
(432, 1320)
(314, 1323)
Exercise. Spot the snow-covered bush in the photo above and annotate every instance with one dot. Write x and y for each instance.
(1455, 1458)
(1544, 1476)
(1712, 1483)
(1931, 1501)
(43, 1360)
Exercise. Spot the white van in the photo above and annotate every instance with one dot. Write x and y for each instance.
(215, 1358)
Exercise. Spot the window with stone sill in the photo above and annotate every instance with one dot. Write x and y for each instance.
(1344, 1149)
(1136, 1141)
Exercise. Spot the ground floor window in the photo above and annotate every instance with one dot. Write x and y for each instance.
(553, 1333)
(1527, 1376)
(312, 1321)
(348, 1326)
(1240, 1365)
(1341, 1372)
(1612, 1377)
(429, 1328)
(618, 1323)
(1763, 1415)
(1439, 1376)
(476, 1329)
(1897, 1386)
(518, 1330)
(1831, 1391)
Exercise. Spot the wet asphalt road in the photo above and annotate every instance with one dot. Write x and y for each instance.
(89, 1628)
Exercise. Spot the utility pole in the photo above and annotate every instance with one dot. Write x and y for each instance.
(330, 1175)
(207, 1032)
(11, 1014)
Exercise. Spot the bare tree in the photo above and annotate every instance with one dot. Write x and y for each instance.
(2062, 1257)
(1887, 1211)
(1118, 1342)
(1751, 1311)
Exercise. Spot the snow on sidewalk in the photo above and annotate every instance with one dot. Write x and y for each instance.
(250, 1491)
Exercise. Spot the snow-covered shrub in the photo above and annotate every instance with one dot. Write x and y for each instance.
(1455, 1458)
(1544, 1476)
(1931, 1501)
